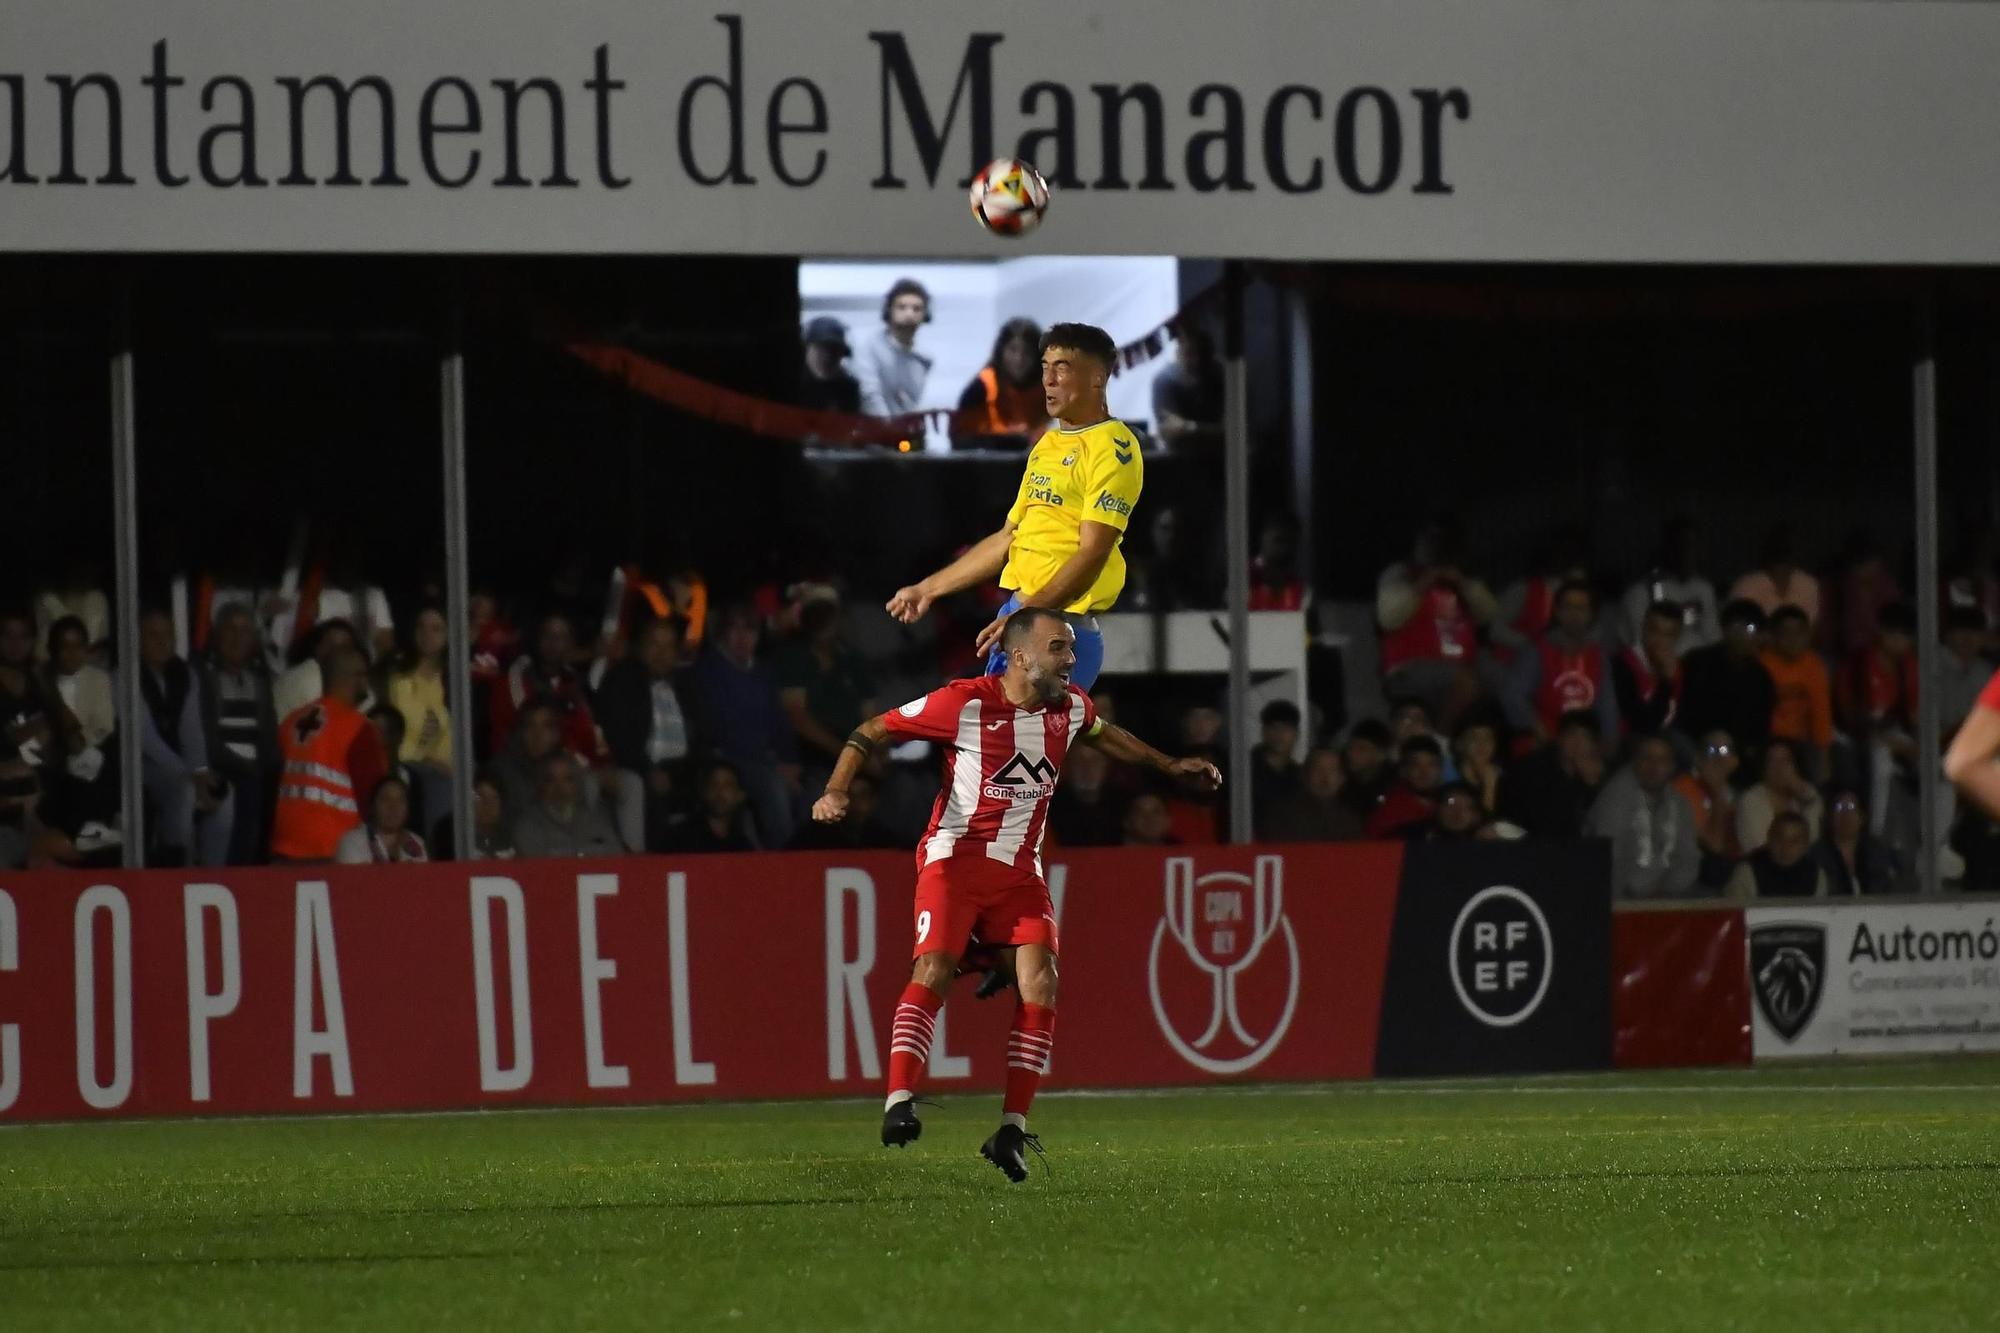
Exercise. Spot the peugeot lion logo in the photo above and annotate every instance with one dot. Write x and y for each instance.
(1207, 918)
(1787, 967)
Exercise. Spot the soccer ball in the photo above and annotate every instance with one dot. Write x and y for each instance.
(1009, 197)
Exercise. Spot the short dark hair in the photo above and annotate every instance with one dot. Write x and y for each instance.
(1421, 745)
(1021, 625)
(63, 626)
(1568, 586)
(1372, 730)
(1578, 719)
(906, 287)
(1789, 615)
(1282, 712)
(1741, 611)
(1965, 617)
(1092, 341)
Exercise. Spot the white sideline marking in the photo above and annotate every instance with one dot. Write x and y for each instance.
(1356, 1088)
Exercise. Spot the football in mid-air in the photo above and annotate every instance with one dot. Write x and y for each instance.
(1009, 197)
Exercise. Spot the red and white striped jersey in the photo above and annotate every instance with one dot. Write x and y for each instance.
(1000, 768)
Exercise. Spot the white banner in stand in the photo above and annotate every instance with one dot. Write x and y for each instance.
(1869, 979)
(1790, 131)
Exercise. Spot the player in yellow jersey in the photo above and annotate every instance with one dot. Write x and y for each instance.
(1059, 545)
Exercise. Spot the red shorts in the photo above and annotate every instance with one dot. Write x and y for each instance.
(963, 895)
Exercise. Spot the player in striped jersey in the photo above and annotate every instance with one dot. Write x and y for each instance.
(980, 862)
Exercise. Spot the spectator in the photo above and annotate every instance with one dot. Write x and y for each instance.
(825, 385)
(1962, 669)
(1549, 794)
(1411, 717)
(492, 840)
(1527, 607)
(394, 732)
(824, 688)
(1566, 673)
(1084, 811)
(1648, 678)
(1674, 579)
(1459, 818)
(1725, 686)
(1778, 581)
(1366, 761)
(386, 836)
(1413, 799)
(362, 606)
(721, 821)
(495, 645)
(1187, 396)
(1855, 861)
(546, 674)
(242, 726)
(1173, 575)
(1654, 851)
(1865, 589)
(517, 770)
(330, 754)
(303, 681)
(862, 829)
(1876, 700)
(560, 823)
(1195, 820)
(1430, 613)
(1802, 709)
(190, 800)
(647, 710)
(1477, 749)
(29, 739)
(888, 366)
(81, 595)
(1003, 403)
(1274, 774)
(1782, 791)
(81, 795)
(1146, 822)
(1783, 869)
(1974, 585)
(1710, 796)
(1315, 812)
(416, 689)
(1275, 581)
(747, 722)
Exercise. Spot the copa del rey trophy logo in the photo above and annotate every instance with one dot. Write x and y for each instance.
(1224, 990)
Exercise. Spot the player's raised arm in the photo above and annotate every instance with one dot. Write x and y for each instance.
(980, 562)
(1120, 744)
(831, 807)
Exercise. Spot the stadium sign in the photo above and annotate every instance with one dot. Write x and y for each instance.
(1500, 960)
(1223, 922)
(1707, 131)
(1868, 978)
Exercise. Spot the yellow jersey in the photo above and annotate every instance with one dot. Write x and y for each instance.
(1093, 474)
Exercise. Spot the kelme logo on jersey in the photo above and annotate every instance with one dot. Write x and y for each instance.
(1107, 501)
(1022, 779)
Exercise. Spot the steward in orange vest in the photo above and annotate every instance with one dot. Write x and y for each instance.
(332, 761)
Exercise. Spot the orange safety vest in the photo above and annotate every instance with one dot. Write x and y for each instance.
(316, 797)
(1010, 409)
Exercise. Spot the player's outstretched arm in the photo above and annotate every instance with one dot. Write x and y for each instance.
(1973, 761)
(1120, 744)
(831, 807)
(982, 561)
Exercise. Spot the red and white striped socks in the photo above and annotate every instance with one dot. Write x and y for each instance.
(910, 1040)
(1028, 1047)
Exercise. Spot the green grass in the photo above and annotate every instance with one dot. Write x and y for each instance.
(1856, 1196)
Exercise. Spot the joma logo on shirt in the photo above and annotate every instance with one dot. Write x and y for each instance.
(1107, 500)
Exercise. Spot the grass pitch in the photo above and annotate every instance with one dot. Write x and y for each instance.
(1853, 1196)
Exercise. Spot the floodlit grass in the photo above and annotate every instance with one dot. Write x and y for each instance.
(1853, 1196)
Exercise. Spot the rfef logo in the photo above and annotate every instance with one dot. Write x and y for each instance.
(1501, 956)
(1787, 973)
(1223, 922)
